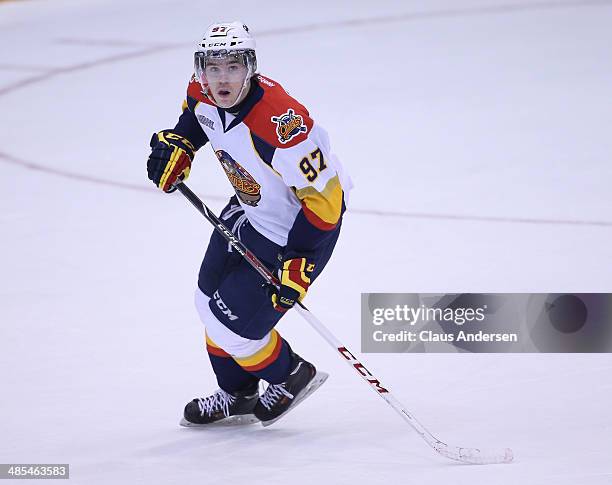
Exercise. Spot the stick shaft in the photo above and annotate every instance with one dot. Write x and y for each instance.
(466, 455)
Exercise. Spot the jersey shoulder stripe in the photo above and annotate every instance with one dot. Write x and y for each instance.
(278, 118)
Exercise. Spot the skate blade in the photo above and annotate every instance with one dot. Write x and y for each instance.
(239, 420)
(317, 381)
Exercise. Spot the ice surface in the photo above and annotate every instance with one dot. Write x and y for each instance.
(478, 137)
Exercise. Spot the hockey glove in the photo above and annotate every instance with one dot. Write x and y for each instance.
(294, 276)
(170, 159)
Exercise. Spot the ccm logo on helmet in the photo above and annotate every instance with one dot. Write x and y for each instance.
(223, 44)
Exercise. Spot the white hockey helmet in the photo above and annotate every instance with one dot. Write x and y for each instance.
(223, 40)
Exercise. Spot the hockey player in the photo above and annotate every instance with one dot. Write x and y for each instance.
(288, 207)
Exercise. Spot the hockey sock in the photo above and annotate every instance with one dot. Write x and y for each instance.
(230, 376)
(272, 362)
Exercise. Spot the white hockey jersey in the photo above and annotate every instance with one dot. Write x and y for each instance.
(278, 160)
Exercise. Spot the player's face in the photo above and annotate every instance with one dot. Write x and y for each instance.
(225, 80)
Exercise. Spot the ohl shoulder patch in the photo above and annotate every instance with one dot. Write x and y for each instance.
(289, 125)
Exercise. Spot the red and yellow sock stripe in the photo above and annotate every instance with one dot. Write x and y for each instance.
(214, 349)
(263, 357)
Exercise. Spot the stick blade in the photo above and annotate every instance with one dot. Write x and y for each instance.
(475, 456)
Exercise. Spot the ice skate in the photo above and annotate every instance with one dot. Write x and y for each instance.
(221, 408)
(279, 399)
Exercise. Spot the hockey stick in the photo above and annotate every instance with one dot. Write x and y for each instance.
(466, 455)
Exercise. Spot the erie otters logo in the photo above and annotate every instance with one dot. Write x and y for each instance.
(247, 189)
(288, 125)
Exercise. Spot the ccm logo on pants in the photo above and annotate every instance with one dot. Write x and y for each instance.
(223, 307)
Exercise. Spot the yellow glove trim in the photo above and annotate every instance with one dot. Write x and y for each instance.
(287, 281)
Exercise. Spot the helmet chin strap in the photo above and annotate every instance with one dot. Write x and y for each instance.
(244, 91)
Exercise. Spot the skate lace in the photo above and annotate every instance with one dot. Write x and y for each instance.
(273, 394)
(219, 400)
